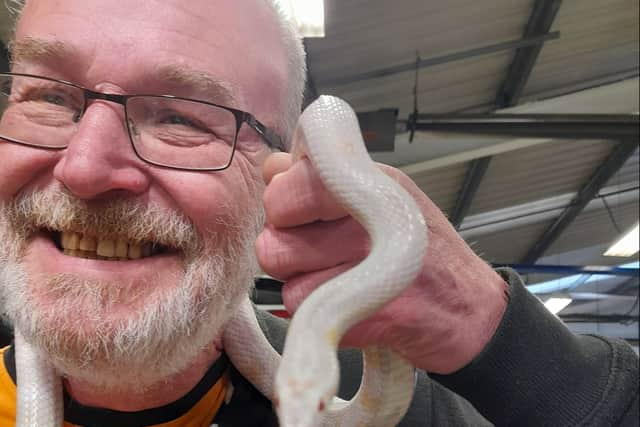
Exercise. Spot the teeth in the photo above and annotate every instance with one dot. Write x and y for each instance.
(121, 249)
(87, 244)
(135, 251)
(73, 241)
(77, 245)
(106, 248)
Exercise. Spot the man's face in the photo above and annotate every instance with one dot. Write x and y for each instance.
(203, 223)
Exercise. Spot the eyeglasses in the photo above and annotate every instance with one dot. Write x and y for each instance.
(164, 130)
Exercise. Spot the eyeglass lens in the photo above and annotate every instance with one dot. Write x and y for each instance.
(163, 130)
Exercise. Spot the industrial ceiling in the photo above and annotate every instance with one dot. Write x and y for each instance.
(523, 200)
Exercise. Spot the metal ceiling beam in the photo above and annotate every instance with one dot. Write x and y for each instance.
(572, 89)
(590, 189)
(535, 212)
(631, 284)
(429, 62)
(540, 21)
(573, 126)
(472, 181)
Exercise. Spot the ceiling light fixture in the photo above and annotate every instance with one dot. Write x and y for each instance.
(555, 305)
(626, 246)
(308, 15)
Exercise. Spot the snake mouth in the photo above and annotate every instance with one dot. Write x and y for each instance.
(111, 248)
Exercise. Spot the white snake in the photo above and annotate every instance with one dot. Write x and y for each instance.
(303, 382)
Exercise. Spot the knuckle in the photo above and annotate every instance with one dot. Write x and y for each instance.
(289, 200)
(274, 256)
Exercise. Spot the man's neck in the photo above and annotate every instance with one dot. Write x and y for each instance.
(164, 392)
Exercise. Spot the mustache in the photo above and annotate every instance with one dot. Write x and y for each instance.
(55, 209)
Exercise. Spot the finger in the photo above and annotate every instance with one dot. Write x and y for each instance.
(287, 252)
(274, 164)
(295, 290)
(298, 197)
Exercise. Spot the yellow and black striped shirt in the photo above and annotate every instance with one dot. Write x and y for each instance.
(203, 406)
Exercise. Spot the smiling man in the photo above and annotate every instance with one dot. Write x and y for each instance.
(135, 140)
(129, 269)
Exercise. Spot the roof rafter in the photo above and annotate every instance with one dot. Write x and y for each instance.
(474, 176)
(544, 12)
(540, 21)
(589, 190)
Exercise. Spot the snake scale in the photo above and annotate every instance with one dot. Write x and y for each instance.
(303, 382)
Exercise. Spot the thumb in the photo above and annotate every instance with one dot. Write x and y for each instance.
(274, 164)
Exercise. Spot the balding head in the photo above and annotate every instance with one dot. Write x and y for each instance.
(268, 11)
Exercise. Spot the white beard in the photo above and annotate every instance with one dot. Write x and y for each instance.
(171, 325)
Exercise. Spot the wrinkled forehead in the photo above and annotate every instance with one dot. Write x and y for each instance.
(131, 44)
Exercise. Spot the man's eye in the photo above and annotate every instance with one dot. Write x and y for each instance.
(53, 98)
(175, 119)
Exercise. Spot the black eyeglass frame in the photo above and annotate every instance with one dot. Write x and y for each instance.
(269, 136)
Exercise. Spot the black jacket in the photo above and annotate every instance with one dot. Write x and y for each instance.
(534, 372)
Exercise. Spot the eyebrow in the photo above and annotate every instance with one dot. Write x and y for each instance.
(32, 49)
(183, 75)
(38, 50)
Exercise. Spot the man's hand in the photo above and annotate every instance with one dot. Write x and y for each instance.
(440, 323)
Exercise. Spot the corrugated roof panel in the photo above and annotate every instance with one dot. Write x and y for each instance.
(597, 38)
(364, 36)
(442, 185)
(596, 227)
(371, 34)
(539, 172)
(443, 88)
(508, 246)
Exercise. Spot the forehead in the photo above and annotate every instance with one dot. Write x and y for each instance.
(130, 43)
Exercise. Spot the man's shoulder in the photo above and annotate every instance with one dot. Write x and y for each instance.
(7, 387)
(7, 368)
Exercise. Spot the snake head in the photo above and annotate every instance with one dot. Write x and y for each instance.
(305, 387)
(303, 410)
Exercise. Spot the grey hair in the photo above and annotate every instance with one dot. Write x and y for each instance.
(297, 70)
(296, 65)
(14, 7)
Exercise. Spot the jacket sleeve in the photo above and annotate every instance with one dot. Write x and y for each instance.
(535, 372)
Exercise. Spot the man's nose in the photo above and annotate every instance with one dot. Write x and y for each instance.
(99, 159)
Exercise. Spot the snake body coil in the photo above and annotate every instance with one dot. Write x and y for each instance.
(307, 374)
(307, 379)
